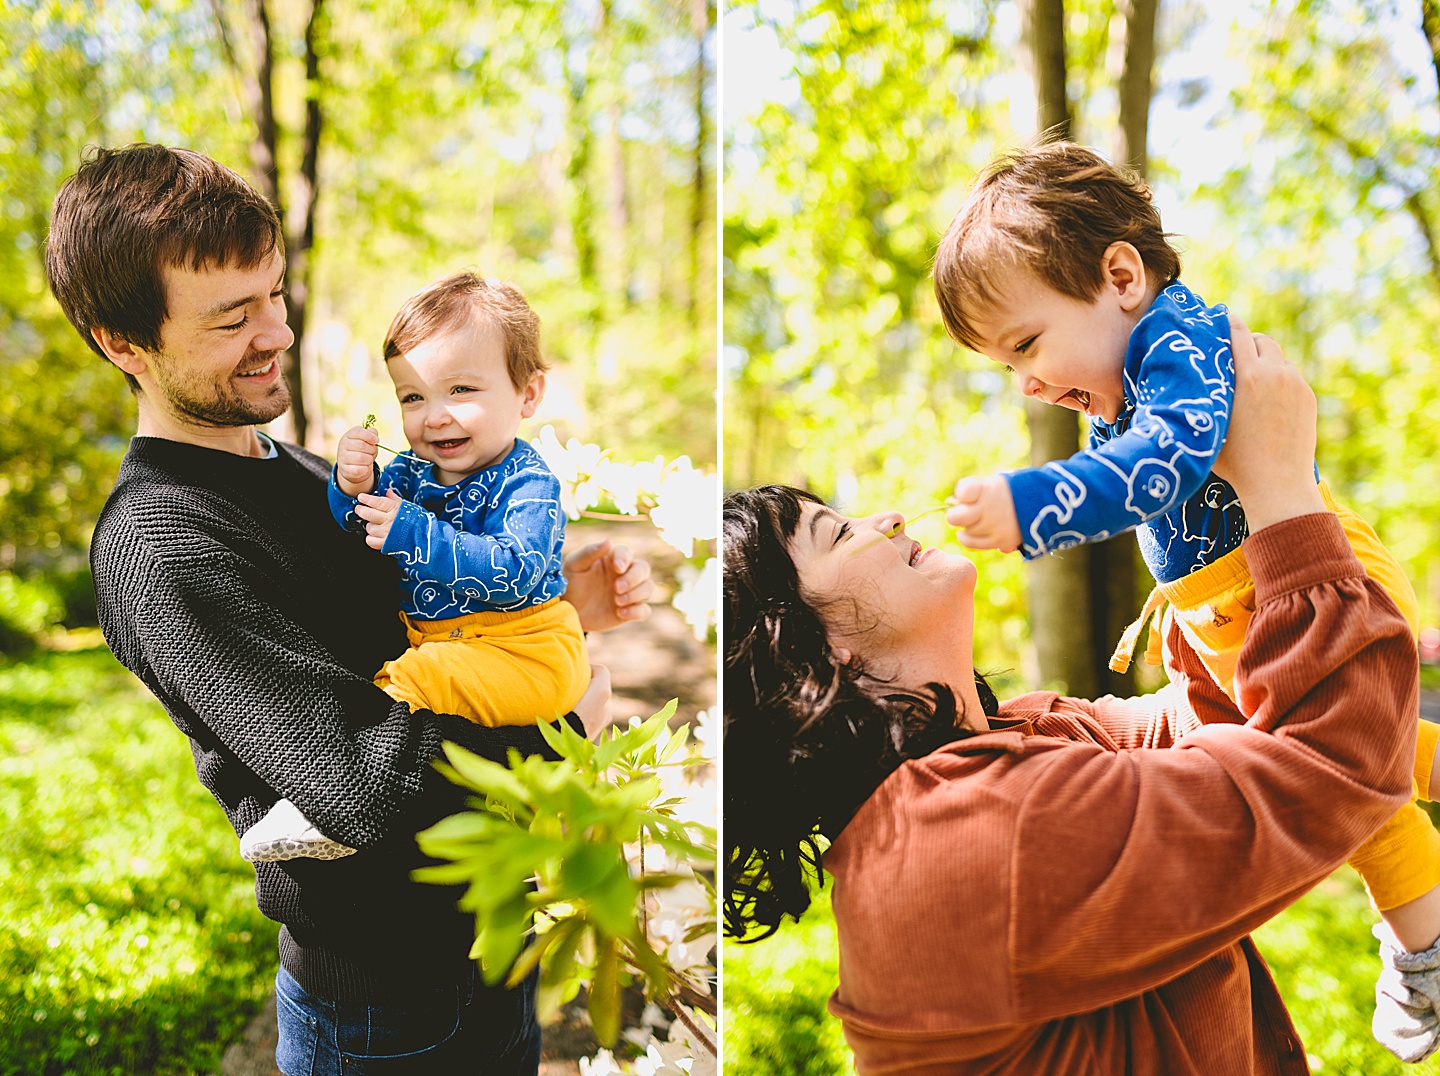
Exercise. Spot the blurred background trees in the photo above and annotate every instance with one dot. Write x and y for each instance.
(1292, 146)
(567, 146)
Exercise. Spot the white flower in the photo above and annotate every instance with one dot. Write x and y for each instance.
(602, 1064)
(575, 465)
(704, 729)
(685, 508)
(676, 909)
(698, 595)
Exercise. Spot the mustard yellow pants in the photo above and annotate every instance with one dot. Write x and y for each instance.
(1401, 860)
(515, 668)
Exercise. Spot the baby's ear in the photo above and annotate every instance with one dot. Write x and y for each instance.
(532, 394)
(1123, 269)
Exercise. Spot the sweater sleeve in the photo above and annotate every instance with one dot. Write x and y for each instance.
(1129, 868)
(250, 681)
(500, 566)
(1182, 388)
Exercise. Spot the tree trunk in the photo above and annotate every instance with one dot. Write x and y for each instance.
(257, 89)
(299, 242)
(1430, 23)
(700, 23)
(1059, 586)
(1114, 565)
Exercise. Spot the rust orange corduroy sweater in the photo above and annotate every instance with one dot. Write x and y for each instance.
(1055, 896)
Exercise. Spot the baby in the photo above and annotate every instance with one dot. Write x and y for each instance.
(1057, 266)
(473, 517)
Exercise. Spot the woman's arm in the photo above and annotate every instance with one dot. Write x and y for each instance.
(1130, 868)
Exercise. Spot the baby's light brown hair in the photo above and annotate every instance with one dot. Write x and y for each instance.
(1052, 210)
(466, 298)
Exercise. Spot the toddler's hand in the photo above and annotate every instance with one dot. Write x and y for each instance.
(378, 513)
(355, 461)
(985, 513)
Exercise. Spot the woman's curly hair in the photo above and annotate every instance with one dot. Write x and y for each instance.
(808, 737)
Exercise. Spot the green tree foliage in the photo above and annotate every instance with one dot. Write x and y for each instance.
(552, 144)
(1329, 245)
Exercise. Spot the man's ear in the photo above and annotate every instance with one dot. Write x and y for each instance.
(532, 394)
(122, 353)
(1122, 268)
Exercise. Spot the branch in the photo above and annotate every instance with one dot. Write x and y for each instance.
(696, 1030)
(1357, 153)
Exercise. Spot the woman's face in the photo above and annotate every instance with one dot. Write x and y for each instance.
(885, 599)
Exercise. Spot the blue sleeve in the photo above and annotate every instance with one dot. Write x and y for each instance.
(1181, 375)
(499, 567)
(342, 506)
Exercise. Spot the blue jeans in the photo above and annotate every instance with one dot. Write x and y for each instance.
(457, 1029)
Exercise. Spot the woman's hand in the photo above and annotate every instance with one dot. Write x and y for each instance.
(1269, 453)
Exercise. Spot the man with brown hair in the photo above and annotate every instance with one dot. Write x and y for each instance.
(223, 583)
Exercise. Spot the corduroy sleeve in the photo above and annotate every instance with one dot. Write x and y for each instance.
(1129, 868)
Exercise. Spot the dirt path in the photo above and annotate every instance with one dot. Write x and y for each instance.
(650, 663)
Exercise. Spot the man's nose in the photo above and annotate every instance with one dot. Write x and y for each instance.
(273, 334)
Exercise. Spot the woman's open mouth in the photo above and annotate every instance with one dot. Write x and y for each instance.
(915, 554)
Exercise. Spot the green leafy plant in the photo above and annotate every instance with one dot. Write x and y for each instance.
(568, 864)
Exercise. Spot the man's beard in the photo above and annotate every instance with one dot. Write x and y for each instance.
(221, 405)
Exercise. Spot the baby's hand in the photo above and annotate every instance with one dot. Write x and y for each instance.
(378, 513)
(985, 513)
(355, 461)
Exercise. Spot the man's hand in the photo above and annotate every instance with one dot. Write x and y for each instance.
(593, 709)
(378, 513)
(607, 586)
(985, 513)
(355, 461)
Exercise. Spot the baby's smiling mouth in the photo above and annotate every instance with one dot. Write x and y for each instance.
(1080, 397)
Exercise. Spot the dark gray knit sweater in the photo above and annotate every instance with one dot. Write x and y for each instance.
(224, 584)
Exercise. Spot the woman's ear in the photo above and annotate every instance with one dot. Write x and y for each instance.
(1122, 268)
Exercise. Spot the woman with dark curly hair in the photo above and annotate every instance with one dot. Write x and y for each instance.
(1051, 885)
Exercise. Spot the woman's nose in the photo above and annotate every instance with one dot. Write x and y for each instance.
(886, 522)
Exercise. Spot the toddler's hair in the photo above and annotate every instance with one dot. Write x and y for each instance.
(1052, 210)
(466, 298)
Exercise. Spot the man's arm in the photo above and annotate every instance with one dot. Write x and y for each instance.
(215, 646)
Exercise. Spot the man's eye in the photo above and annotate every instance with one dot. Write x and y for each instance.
(238, 325)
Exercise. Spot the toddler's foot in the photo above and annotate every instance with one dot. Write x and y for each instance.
(285, 833)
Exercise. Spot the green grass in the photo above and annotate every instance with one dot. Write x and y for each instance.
(1320, 951)
(129, 938)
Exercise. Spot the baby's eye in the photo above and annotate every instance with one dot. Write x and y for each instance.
(1007, 369)
(1024, 345)
(462, 388)
(411, 397)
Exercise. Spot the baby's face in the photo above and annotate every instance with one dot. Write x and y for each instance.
(1062, 350)
(460, 409)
